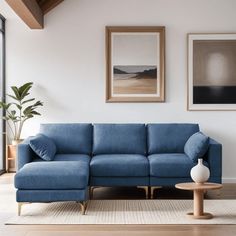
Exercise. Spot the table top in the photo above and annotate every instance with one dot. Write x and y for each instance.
(195, 186)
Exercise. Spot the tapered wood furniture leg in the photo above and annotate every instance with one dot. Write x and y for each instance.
(20, 204)
(19, 208)
(153, 188)
(83, 206)
(91, 190)
(146, 188)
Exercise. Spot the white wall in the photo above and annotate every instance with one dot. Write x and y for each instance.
(66, 61)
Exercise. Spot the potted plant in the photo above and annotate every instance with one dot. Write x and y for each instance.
(19, 110)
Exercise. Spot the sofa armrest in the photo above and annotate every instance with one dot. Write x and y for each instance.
(214, 158)
(24, 153)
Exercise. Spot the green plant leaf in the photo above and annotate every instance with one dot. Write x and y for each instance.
(19, 106)
(13, 112)
(16, 92)
(38, 103)
(12, 97)
(13, 118)
(5, 118)
(28, 117)
(24, 89)
(8, 105)
(29, 100)
(3, 105)
(27, 110)
(25, 86)
(35, 113)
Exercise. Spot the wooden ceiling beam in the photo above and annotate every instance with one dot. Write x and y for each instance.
(48, 5)
(29, 11)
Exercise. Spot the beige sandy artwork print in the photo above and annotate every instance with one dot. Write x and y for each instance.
(135, 64)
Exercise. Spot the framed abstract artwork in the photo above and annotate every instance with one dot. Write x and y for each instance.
(212, 71)
(135, 60)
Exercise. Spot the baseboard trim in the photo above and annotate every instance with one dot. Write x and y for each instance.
(229, 180)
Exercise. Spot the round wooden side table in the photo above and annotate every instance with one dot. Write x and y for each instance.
(198, 197)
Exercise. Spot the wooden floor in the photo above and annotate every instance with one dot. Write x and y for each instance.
(8, 205)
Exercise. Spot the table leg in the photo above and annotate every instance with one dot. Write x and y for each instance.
(198, 203)
(198, 212)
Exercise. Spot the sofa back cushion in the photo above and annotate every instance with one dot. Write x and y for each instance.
(119, 139)
(70, 138)
(169, 138)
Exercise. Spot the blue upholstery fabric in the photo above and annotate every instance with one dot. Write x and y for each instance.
(43, 146)
(72, 157)
(119, 139)
(119, 181)
(170, 165)
(70, 138)
(53, 175)
(214, 158)
(68, 157)
(196, 146)
(169, 138)
(25, 154)
(119, 165)
(51, 195)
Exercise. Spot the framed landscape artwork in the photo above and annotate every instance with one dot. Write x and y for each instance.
(212, 72)
(135, 64)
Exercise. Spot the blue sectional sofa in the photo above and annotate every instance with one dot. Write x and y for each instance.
(89, 155)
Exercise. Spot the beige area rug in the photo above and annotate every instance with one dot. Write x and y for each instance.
(125, 212)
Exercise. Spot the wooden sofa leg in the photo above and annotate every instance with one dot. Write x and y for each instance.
(20, 204)
(91, 191)
(146, 189)
(19, 208)
(83, 206)
(153, 188)
(91, 188)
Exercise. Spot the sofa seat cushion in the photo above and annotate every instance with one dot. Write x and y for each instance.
(68, 157)
(170, 165)
(53, 175)
(119, 165)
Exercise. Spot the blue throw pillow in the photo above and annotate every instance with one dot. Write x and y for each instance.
(196, 146)
(43, 146)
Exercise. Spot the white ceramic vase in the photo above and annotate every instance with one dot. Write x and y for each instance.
(200, 173)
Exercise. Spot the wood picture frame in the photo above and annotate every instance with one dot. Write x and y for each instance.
(135, 64)
(211, 72)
